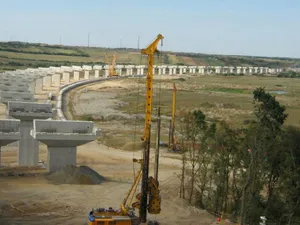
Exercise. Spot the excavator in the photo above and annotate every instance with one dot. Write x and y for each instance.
(149, 200)
(111, 67)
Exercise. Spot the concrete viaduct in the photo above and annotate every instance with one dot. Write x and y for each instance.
(31, 118)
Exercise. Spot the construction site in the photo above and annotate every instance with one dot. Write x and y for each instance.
(103, 136)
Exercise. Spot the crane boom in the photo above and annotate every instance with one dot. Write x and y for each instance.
(149, 51)
(154, 199)
(173, 115)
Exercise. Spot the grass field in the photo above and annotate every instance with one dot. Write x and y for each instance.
(18, 55)
(227, 98)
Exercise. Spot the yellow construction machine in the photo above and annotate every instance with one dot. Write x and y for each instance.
(173, 145)
(149, 199)
(111, 67)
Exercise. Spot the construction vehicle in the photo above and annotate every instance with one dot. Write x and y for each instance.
(149, 185)
(111, 67)
(173, 145)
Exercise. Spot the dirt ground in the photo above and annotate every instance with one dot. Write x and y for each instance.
(29, 199)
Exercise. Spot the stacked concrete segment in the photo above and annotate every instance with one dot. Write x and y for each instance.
(6, 96)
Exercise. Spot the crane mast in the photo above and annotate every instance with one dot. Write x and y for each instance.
(146, 181)
(173, 117)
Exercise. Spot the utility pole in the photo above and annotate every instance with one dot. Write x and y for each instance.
(89, 39)
(157, 145)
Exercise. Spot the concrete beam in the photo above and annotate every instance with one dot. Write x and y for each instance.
(62, 139)
(13, 88)
(5, 97)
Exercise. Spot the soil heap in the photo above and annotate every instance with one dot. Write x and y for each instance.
(75, 175)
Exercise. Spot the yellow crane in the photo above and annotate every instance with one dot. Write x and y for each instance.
(173, 145)
(149, 187)
(111, 67)
(172, 121)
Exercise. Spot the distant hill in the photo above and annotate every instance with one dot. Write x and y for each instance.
(19, 55)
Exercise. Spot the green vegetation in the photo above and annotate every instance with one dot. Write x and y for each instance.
(220, 98)
(227, 90)
(246, 172)
(289, 74)
(22, 47)
(19, 55)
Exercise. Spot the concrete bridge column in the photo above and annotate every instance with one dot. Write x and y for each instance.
(66, 77)
(76, 75)
(170, 70)
(26, 112)
(250, 70)
(174, 70)
(39, 85)
(47, 81)
(238, 70)
(55, 80)
(218, 69)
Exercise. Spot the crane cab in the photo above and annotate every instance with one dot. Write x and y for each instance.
(111, 217)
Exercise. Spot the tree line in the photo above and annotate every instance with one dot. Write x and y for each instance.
(243, 173)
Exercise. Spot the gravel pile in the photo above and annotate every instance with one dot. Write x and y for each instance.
(75, 175)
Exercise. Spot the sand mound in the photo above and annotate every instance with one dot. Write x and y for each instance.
(75, 175)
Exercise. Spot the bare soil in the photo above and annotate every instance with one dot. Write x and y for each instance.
(27, 197)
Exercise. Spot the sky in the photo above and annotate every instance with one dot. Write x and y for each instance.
(230, 27)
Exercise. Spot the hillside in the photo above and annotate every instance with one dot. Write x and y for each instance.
(19, 55)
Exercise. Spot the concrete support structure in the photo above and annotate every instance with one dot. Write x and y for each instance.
(9, 132)
(192, 69)
(55, 80)
(106, 71)
(170, 70)
(27, 112)
(180, 69)
(218, 69)
(261, 70)
(238, 70)
(143, 69)
(97, 69)
(174, 70)
(66, 77)
(224, 69)
(47, 81)
(250, 70)
(62, 139)
(86, 70)
(76, 76)
(201, 69)
(76, 72)
(255, 69)
(245, 70)
(38, 85)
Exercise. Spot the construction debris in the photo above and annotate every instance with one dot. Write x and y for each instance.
(75, 175)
